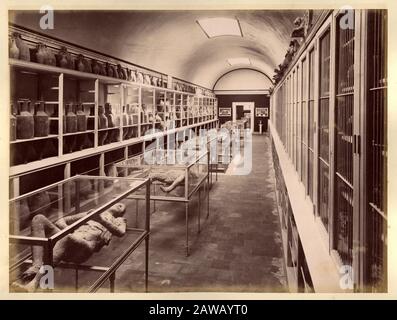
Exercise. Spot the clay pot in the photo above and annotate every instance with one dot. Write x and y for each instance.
(13, 124)
(41, 121)
(109, 70)
(13, 49)
(109, 115)
(112, 134)
(121, 72)
(133, 76)
(96, 69)
(139, 77)
(25, 121)
(81, 118)
(41, 53)
(124, 122)
(50, 57)
(102, 68)
(129, 74)
(24, 52)
(70, 119)
(87, 65)
(64, 58)
(147, 79)
(80, 65)
(102, 124)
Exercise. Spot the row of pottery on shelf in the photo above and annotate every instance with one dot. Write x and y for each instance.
(25, 125)
(18, 49)
(75, 119)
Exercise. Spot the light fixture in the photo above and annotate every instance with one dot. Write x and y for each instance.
(240, 61)
(215, 27)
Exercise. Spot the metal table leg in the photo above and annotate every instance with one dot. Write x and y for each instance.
(146, 263)
(112, 279)
(199, 211)
(187, 227)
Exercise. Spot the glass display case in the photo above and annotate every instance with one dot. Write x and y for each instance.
(77, 228)
(175, 176)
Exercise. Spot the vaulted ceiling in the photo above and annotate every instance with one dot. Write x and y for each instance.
(171, 41)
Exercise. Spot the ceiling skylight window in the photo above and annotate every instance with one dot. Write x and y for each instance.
(215, 27)
(239, 61)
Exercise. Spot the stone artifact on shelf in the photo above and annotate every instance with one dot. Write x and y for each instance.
(70, 119)
(109, 70)
(64, 58)
(96, 68)
(41, 53)
(133, 76)
(13, 124)
(41, 120)
(50, 57)
(102, 124)
(77, 247)
(103, 70)
(24, 52)
(81, 118)
(13, 49)
(80, 65)
(25, 120)
(87, 65)
(139, 77)
(146, 79)
(121, 72)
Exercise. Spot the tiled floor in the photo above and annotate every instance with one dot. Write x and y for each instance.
(239, 247)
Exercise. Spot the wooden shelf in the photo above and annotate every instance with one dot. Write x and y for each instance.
(77, 133)
(50, 136)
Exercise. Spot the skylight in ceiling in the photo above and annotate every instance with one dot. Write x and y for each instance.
(215, 27)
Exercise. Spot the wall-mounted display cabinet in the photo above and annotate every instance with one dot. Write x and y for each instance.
(330, 113)
(65, 120)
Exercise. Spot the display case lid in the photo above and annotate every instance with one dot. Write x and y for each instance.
(79, 194)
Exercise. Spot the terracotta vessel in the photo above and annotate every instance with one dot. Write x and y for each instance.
(13, 124)
(49, 57)
(25, 121)
(109, 70)
(96, 69)
(13, 49)
(102, 124)
(80, 65)
(64, 58)
(81, 118)
(24, 52)
(71, 119)
(41, 53)
(102, 68)
(41, 121)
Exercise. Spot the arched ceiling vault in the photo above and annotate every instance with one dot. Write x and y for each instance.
(171, 41)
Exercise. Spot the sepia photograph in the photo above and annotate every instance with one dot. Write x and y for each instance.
(191, 150)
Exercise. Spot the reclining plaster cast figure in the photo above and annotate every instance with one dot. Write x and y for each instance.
(172, 178)
(76, 247)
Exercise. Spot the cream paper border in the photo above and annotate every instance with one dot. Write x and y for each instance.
(5, 5)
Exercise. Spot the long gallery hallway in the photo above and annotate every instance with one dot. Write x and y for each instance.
(239, 247)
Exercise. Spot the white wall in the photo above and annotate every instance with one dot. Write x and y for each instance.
(243, 79)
